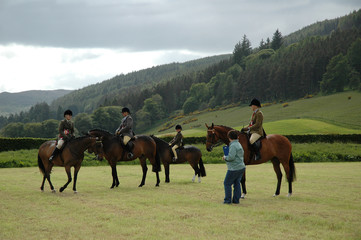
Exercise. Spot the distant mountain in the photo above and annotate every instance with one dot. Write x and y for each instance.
(22, 101)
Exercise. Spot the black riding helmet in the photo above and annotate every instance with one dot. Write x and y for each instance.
(125, 109)
(178, 127)
(255, 102)
(68, 112)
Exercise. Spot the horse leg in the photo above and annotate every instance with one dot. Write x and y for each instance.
(145, 169)
(76, 170)
(166, 170)
(243, 184)
(67, 169)
(276, 167)
(158, 180)
(42, 184)
(115, 176)
(47, 176)
(286, 167)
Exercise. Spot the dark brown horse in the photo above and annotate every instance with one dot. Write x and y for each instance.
(113, 151)
(72, 155)
(189, 154)
(276, 148)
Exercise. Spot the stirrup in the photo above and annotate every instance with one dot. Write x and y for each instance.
(130, 155)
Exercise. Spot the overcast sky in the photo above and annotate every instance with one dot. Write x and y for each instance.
(69, 44)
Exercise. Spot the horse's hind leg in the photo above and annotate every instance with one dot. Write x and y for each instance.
(42, 184)
(289, 178)
(243, 184)
(67, 169)
(276, 167)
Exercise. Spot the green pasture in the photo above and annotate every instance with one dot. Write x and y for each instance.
(325, 205)
(338, 113)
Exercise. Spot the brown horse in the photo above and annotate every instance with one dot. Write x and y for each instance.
(72, 155)
(189, 154)
(113, 151)
(276, 148)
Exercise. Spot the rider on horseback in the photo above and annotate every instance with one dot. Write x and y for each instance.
(125, 130)
(255, 127)
(176, 142)
(66, 133)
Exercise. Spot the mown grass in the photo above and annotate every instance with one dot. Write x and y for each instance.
(325, 205)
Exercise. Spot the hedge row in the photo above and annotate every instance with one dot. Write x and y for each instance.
(13, 144)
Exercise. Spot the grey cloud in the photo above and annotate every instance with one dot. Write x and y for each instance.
(203, 25)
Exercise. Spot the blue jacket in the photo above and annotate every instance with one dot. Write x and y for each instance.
(235, 159)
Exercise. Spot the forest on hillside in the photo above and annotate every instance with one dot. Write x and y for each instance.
(323, 57)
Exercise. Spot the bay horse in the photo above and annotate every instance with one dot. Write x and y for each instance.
(276, 148)
(189, 154)
(72, 155)
(144, 148)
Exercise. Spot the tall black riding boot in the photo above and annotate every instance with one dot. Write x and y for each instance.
(256, 149)
(130, 147)
(54, 154)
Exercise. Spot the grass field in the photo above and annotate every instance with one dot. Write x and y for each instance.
(329, 114)
(325, 205)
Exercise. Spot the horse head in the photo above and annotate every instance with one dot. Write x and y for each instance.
(211, 138)
(215, 135)
(97, 148)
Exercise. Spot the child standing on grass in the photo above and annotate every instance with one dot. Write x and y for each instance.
(236, 168)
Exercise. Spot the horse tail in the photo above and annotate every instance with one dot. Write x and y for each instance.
(41, 165)
(201, 167)
(291, 163)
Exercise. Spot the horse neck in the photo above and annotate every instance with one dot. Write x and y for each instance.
(222, 133)
(80, 145)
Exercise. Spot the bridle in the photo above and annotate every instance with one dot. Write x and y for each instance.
(213, 141)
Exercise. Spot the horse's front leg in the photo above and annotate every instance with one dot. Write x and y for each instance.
(67, 169)
(145, 169)
(76, 170)
(243, 184)
(166, 170)
(115, 176)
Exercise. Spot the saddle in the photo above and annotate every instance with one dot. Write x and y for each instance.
(178, 150)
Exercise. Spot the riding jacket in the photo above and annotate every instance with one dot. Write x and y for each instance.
(177, 140)
(255, 126)
(126, 127)
(66, 130)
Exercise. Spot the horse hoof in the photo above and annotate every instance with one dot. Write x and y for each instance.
(61, 189)
(140, 185)
(275, 195)
(289, 194)
(53, 191)
(243, 196)
(75, 192)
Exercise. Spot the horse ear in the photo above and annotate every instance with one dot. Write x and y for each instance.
(206, 125)
(212, 125)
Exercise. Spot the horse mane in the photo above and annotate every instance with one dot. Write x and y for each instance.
(102, 132)
(158, 140)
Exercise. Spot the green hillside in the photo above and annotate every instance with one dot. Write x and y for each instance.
(317, 115)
